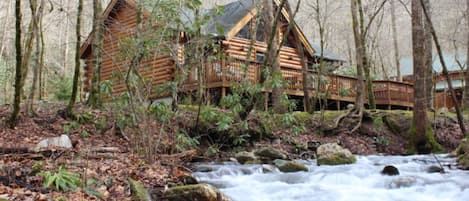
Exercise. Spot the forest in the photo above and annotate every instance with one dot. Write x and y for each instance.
(234, 100)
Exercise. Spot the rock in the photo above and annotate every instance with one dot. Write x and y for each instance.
(462, 152)
(403, 182)
(189, 180)
(290, 166)
(463, 147)
(390, 170)
(435, 169)
(313, 145)
(463, 161)
(350, 106)
(268, 168)
(203, 169)
(244, 156)
(333, 154)
(61, 142)
(253, 162)
(138, 191)
(202, 192)
(398, 124)
(269, 154)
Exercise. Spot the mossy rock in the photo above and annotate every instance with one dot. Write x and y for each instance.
(398, 124)
(423, 144)
(302, 118)
(198, 192)
(463, 161)
(290, 166)
(244, 156)
(463, 147)
(270, 153)
(333, 154)
(139, 192)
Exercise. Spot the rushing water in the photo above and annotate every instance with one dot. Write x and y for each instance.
(358, 182)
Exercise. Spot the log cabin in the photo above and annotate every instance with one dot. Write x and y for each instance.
(456, 72)
(236, 22)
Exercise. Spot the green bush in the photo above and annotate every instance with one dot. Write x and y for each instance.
(63, 91)
(61, 179)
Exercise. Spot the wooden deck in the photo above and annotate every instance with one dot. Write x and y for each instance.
(225, 74)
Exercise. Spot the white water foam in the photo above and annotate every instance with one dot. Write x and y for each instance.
(361, 181)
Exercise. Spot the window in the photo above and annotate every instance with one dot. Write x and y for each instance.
(260, 57)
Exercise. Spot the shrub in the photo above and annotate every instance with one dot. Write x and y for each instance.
(61, 179)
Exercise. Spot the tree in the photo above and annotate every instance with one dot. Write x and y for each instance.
(443, 64)
(94, 99)
(422, 134)
(19, 63)
(76, 74)
(395, 41)
(35, 20)
(272, 60)
(359, 52)
(465, 102)
(428, 55)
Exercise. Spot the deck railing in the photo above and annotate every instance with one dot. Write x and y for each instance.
(228, 72)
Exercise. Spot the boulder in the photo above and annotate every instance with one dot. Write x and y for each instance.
(398, 124)
(138, 191)
(390, 170)
(198, 192)
(62, 141)
(403, 182)
(435, 169)
(290, 166)
(244, 156)
(333, 154)
(270, 154)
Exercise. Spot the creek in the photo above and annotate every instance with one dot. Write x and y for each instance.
(361, 181)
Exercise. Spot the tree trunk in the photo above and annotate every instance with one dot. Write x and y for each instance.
(365, 63)
(359, 51)
(41, 77)
(273, 61)
(2, 49)
(66, 48)
(397, 58)
(94, 99)
(18, 77)
(445, 69)
(428, 44)
(37, 15)
(422, 134)
(465, 102)
(76, 74)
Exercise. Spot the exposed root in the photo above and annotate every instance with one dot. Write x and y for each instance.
(353, 113)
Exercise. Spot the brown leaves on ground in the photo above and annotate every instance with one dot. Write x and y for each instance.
(108, 171)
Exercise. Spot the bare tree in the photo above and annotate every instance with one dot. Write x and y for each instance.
(36, 18)
(395, 41)
(428, 44)
(420, 119)
(443, 64)
(76, 74)
(19, 63)
(465, 102)
(94, 99)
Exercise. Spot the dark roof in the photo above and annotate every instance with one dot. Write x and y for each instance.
(233, 13)
(327, 55)
(224, 22)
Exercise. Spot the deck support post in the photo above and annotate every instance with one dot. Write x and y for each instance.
(338, 105)
(266, 101)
